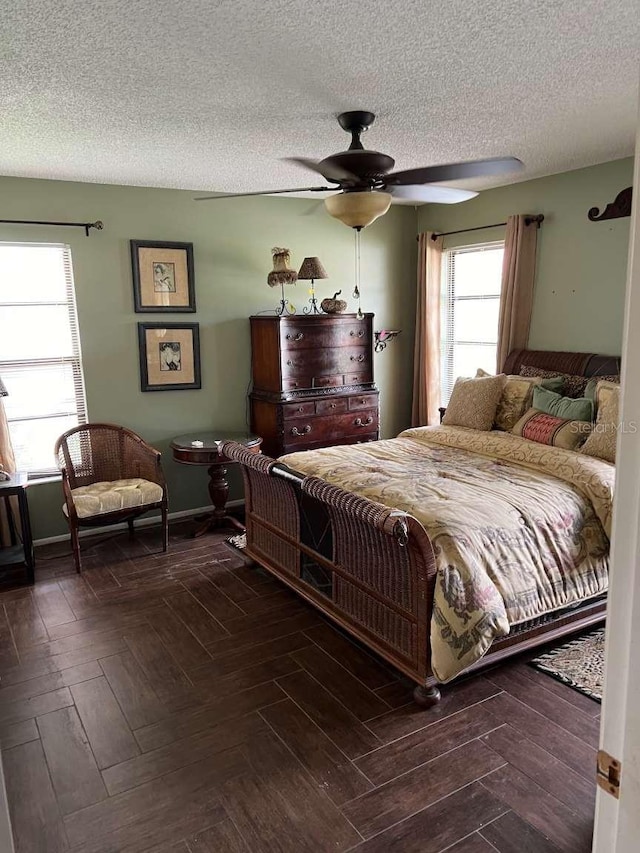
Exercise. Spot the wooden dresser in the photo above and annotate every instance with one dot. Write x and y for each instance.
(312, 381)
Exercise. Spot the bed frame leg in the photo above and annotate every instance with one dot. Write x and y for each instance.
(426, 696)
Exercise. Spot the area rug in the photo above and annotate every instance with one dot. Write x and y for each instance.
(579, 664)
(238, 542)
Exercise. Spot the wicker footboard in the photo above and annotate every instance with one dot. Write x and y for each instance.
(368, 567)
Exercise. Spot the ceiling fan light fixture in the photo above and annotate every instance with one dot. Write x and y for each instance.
(358, 209)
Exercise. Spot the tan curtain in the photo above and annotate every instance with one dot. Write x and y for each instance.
(518, 275)
(8, 462)
(426, 358)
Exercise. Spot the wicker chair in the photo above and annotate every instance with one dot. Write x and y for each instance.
(109, 475)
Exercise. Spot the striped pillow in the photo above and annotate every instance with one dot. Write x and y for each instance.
(543, 428)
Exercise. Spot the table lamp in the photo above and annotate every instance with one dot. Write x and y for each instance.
(282, 274)
(310, 270)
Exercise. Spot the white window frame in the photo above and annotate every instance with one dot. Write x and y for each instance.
(75, 359)
(447, 310)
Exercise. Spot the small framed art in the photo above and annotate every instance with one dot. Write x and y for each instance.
(169, 356)
(163, 278)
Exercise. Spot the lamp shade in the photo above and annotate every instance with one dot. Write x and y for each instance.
(281, 273)
(3, 389)
(358, 209)
(312, 269)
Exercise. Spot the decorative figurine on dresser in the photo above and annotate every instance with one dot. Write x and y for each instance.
(312, 381)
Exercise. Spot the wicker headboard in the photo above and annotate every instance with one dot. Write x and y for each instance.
(575, 363)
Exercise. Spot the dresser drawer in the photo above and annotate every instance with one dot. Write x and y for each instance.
(325, 362)
(298, 410)
(332, 407)
(302, 333)
(330, 427)
(296, 384)
(365, 375)
(363, 401)
(326, 382)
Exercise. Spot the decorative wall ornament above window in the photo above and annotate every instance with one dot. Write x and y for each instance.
(621, 206)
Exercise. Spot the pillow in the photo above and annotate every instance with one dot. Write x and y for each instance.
(549, 429)
(600, 388)
(516, 397)
(572, 386)
(474, 402)
(602, 441)
(572, 409)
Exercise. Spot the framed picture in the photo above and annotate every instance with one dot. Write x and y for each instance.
(163, 277)
(169, 356)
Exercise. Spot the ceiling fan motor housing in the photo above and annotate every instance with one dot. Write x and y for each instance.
(368, 167)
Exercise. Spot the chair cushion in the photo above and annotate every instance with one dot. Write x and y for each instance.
(114, 495)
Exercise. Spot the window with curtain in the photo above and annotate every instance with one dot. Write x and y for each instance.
(40, 359)
(470, 303)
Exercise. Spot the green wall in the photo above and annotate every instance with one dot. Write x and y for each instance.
(581, 266)
(578, 303)
(232, 242)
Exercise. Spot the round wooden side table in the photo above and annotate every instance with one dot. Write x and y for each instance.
(209, 454)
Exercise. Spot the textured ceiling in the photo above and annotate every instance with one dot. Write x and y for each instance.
(210, 94)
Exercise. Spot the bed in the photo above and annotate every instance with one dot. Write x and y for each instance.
(443, 550)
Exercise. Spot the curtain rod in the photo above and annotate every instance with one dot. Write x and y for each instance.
(98, 225)
(538, 219)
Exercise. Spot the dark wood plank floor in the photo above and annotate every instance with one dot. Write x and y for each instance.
(189, 702)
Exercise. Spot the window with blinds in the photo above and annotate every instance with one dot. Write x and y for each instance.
(40, 360)
(470, 302)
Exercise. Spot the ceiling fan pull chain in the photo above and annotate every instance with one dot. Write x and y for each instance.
(356, 290)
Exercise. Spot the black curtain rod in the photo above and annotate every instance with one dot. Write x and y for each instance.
(538, 219)
(98, 225)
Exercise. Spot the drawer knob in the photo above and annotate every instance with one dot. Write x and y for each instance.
(360, 423)
(333, 405)
(305, 429)
(357, 357)
(359, 334)
(297, 337)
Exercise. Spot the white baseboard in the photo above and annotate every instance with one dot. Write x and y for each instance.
(143, 522)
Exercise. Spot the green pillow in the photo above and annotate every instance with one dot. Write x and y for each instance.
(556, 383)
(568, 408)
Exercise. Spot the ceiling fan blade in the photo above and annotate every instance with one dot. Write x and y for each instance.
(420, 193)
(330, 171)
(265, 192)
(455, 171)
(314, 207)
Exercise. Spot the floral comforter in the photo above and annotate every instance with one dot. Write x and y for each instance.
(518, 529)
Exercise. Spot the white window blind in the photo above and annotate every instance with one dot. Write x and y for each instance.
(40, 359)
(470, 302)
